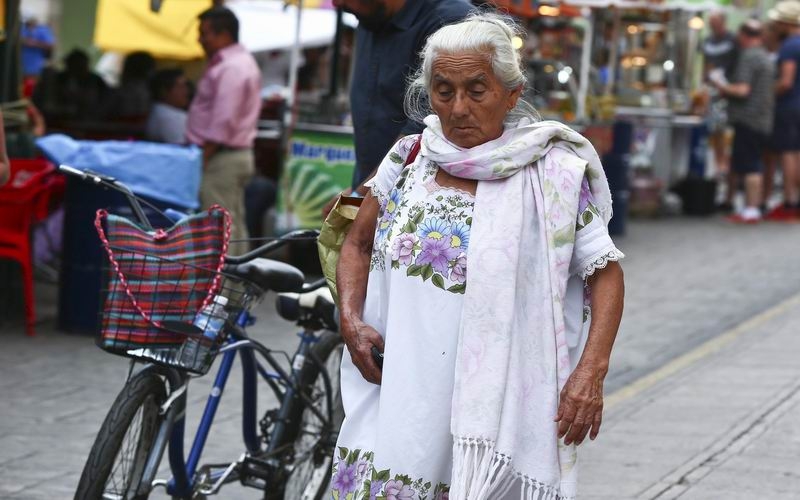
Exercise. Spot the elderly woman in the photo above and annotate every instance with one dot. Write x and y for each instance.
(481, 268)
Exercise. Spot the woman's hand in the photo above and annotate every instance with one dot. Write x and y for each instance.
(580, 407)
(360, 338)
(352, 274)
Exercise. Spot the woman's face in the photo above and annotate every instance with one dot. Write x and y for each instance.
(469, 99)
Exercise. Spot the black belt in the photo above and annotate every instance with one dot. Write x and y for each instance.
(225, 147)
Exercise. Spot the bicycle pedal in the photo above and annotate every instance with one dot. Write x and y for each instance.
(255, 472)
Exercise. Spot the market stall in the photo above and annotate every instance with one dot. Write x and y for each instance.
(623, 62)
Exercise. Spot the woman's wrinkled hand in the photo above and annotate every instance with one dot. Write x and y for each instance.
(580, 407)
(360, 338)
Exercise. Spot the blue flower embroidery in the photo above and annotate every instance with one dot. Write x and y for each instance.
(388, 213)
(459, 236)
(434, 228)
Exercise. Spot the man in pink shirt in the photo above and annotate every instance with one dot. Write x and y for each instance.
(223, 116)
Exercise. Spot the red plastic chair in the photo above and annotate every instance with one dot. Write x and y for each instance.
(24, 201)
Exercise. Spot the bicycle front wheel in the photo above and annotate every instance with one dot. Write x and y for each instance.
(116, 463)
(315, 442)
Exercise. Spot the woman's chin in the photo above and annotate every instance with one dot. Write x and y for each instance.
(465, 137)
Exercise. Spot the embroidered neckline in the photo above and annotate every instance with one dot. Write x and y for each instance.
(432, 186)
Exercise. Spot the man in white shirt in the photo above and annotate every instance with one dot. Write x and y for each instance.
(167, 120)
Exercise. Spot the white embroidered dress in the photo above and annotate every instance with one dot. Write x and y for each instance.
(396, 440)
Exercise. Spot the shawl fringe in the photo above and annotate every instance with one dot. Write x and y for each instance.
(478, 467)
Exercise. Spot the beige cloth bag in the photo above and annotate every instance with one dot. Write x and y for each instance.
(331, 237)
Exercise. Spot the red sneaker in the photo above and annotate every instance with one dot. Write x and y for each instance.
(783, 214)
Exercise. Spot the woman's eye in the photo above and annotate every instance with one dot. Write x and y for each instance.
(445, 93)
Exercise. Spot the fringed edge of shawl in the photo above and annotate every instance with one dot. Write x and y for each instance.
(483, 473)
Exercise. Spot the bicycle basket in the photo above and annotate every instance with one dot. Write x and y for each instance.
(160, 300)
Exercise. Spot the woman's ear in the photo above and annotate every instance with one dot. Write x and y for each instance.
(513, 97)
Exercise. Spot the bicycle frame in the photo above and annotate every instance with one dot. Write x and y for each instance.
(173, 422)
(184, 469)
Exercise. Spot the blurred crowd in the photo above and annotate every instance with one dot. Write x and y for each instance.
(754, 111)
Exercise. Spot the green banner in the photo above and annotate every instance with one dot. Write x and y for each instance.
(319, 165)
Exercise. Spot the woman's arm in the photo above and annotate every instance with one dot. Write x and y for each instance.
(4, 165)
(351, 283)
(580, 407)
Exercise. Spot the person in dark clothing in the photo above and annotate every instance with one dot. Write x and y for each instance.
(389, 37)
(751, 102)
(719, 55)
(131, 99)
(74, 94)
(785, 17)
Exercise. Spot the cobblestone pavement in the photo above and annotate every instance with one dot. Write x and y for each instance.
(688, 283)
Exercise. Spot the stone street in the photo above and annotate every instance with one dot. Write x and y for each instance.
(701, 399)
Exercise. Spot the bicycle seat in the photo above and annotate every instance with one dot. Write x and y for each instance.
(270, 275)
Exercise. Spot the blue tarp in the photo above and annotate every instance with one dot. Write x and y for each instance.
(164, 172)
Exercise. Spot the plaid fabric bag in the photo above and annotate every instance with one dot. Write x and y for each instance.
(159, 280)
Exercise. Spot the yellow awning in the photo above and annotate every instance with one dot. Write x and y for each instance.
(129, 25)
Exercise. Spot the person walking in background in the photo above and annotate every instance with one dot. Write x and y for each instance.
(37, 45)
(750, 107)
(223, 116)
(389, 38)
(719, 55)
(786, 139)
(167, 120)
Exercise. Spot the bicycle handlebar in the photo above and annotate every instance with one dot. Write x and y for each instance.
(110, 182)
(300, 234)
(133, 200)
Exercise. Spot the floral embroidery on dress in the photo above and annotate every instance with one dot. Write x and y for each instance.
(354, 477)
(429, 238)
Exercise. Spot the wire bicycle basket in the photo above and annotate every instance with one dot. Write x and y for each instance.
(168, 311)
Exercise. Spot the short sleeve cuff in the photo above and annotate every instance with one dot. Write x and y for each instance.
(589, 266)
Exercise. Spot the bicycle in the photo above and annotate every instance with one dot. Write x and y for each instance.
(288, 452)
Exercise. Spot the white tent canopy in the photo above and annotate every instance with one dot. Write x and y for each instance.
(689, 5)
(269, 25)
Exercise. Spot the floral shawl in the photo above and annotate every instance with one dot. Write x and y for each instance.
(513, 359)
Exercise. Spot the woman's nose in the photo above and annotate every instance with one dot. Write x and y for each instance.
(460, 106)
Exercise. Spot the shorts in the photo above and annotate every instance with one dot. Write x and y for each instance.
(748, 144)
(717, 118)
(786, 132)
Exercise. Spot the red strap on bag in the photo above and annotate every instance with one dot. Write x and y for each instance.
(412, 155)
(162, 236)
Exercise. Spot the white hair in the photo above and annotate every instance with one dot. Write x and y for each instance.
(480, 33)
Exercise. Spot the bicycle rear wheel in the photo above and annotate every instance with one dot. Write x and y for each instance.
(315, 442)
(116, 463)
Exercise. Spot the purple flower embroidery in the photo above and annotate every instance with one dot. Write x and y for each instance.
(459, 272)
(396, 490)
(345, 479)
(375, 489)
(438, 253)
(442, 495)
(403, 248)
(586, 196)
